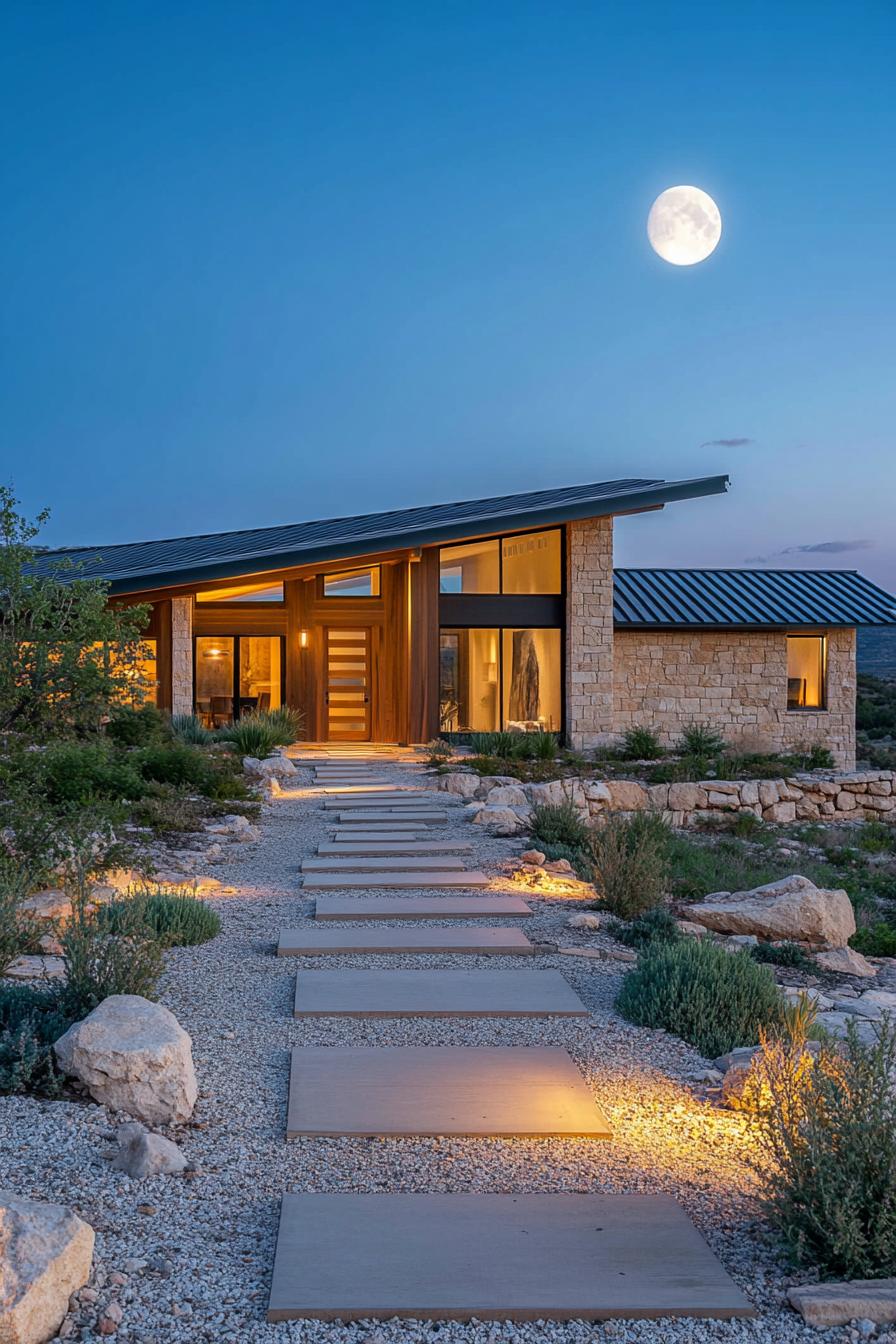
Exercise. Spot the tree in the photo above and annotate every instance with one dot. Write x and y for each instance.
(66, 656)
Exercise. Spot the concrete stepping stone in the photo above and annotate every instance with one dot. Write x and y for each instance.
(500, 1091)
(393, 845)
(417, 880)
(312, 942)
(380, 800)
(552, 1257)
(421, 907)
(402, 993)
(391, 864)
(406, 814)
(403, 831)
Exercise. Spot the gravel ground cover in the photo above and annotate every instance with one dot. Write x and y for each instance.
(189, 1258)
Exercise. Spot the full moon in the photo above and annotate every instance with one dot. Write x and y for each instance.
(684, 225)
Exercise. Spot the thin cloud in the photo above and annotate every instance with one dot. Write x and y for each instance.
(815, 548)
(726, 443)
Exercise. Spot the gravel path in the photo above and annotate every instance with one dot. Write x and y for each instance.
(189, 1259)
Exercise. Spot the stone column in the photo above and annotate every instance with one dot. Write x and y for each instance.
(589, 632)
(181, 655)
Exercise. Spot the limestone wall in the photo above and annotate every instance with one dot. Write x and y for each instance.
(182, 655)
(589, 632)
(735, 681)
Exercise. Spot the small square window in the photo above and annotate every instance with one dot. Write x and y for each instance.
(806, 671)
(353, 583)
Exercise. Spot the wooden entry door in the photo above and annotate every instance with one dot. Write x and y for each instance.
(348, 684)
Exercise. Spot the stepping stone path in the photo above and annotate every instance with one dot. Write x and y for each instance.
(446, 1256)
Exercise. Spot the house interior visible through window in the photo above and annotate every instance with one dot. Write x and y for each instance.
(806, 671)
(353, 583)
(499, 678)
(221, 695)
(244, 592)
(527, 563)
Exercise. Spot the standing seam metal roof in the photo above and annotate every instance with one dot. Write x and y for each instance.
(748, 597)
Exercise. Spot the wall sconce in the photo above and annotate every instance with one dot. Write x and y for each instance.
(303, 639)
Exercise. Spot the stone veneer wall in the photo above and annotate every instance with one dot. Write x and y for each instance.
(182, 655)
(735, 680)
(589, 632)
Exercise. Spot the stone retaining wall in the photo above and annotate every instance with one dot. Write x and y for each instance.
(506, 804)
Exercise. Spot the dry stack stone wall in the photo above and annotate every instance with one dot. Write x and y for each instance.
(589, 632)
(735, 680)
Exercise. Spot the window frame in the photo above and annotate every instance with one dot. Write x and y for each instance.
(500, 631)
(500, 539)
(822, 637)
(324, 596)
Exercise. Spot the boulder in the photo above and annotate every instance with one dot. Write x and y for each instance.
(534, 856)
(627, 795)
(499, 820)
(507, 795)
(782, 813)
(826, 1305)
(792, 909)
(132, 1056)
(49, 904)
(583, 921)
(36, 968)
(596, 792)
(273, 767)
(45, 1255)
(686, 797)
(143, 1154)
(558, 791)
(462, 784)
(846, 961)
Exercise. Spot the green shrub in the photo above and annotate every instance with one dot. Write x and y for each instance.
(713, 999)
(175, 919)
(830, 1132)
(640, 744)
(726, 865)
(654, 926)
(875, 940)
(783, 954)
(190, 728)
(559, 824)
(76, 772)
(138, 727)
(182, 766)
(630, 858)
(877, 837)
(287, 722)
(493, 744)
(18, 932)
(438, 752)
(699, 739)
(252, 735)
(99, 963)
(31, 1019)
(544, 746)
(579, 858)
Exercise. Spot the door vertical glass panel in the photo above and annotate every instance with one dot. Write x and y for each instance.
(531, 675)
(260, 673)
(348, 685)
(214, 680)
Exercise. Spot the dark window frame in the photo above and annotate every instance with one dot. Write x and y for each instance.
(243, 634)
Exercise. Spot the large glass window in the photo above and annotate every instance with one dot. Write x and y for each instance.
(260, 673)
(353, 583)
(214, 680)
(806, 671)
(494, 678)
(531, 563)
(527, 563)
(235, 675)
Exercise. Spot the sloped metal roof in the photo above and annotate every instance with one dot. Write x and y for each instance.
(748, 597)
(139, 566)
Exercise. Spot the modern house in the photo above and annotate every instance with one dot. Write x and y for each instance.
(494, 613)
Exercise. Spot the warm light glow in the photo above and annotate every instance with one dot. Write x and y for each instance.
(684, 225)
(303, 639)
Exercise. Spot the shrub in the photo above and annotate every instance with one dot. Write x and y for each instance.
(99, 963)
(699, 739)
(138, 727)
(630, 862)
(183, 766)
(543, 746)
(169, 812)
(253, 735)
(175, 919)
(288, 723)
(655, 926)
(877, 837)
(579, 858)
(830, 1132)
(190, 728)
(726, 865)
(493, 744)
(438, 752)
(560, 824)
(713, 999)
(18, 932)
(640, 744)
(76, 772)
(875, 940)
(782, 954)
(31, 1019)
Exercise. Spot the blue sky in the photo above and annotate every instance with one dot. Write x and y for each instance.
(273, 261)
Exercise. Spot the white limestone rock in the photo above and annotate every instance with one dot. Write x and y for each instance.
(49, 904)
(461, 783)
(792, 908)
(583, 921)
(507, 795)
(45, 1255)
(846, 961)
(273, 767)
(141, 1153)
(826, 1305)
(499, 820)
(132, 1056)
(36, 968)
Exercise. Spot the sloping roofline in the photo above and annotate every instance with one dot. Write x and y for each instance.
(747, 598)
(134, 567)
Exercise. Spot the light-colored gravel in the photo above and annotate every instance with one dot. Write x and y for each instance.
(189, 1258)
